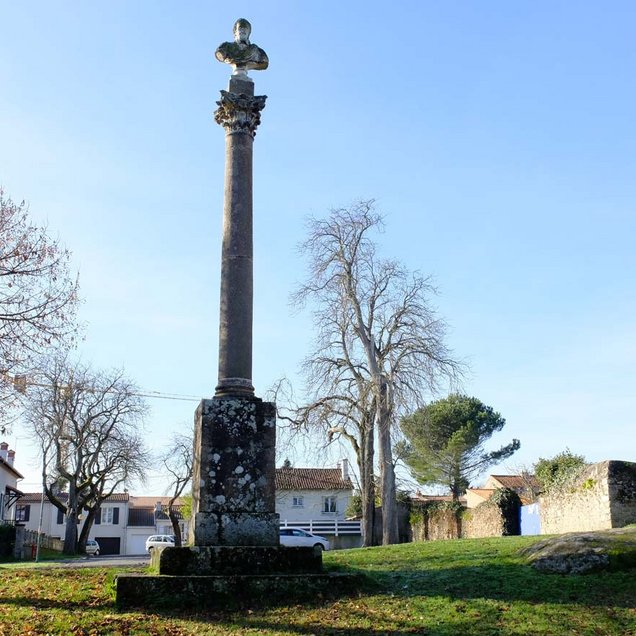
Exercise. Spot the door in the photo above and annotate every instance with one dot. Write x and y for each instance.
(109, 545)
(137, 544)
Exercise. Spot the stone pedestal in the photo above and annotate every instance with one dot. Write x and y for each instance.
(234, 560)
(233, 496)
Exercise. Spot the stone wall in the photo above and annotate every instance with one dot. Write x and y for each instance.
(497, 517)
(602, 496)
(435, 524)
(485, 520)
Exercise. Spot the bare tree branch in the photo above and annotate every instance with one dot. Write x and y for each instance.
(38, 297)
(86, 424)
(379, 346)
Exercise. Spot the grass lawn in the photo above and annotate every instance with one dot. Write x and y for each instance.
(443, 588)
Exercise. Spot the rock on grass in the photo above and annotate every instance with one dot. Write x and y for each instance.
(584, 552)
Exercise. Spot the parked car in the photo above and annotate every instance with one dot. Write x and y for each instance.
(295, 537)
(159, 541)
(92, 547)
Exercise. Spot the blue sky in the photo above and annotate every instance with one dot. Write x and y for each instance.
(498, 138)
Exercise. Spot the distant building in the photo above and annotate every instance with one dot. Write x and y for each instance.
(313, 493)
(526, 486)
(9, 476)
(124, 521)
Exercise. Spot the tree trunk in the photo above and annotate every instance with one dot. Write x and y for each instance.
(387, 473)
(175, 525)
(70, 533)
(86, 529)
(367, 487)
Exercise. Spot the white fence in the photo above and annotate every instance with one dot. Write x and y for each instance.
(332, 526)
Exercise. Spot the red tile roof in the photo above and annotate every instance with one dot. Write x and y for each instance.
(311, 479)
(515, 482)
(421, 498)
(140, 502)
(486, 493)
(36, 497)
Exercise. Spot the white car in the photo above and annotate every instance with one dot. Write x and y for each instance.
(295, 537)
(159, 541)
(92, 547)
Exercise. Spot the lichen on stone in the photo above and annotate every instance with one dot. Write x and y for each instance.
(582, 553)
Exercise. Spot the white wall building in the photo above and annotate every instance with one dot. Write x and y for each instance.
(109, 527)
(121, 526)
(320, 494)
(9, 477)
(124, 521)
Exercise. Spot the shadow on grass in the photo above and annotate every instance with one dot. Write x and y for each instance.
(57, 604)
(510, 582)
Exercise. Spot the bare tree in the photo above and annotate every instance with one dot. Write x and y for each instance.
(38, 297)
(86, 423)
(343, 411)
(379, 345)
(177, 460)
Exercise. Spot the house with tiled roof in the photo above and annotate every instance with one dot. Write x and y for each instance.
(304, 494)
(9, 476)
(526, 486)
(122, 524)
(109, 527)
(147, 516)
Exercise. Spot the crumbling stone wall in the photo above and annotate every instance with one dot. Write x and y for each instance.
(482, 521)
(432, 522)
(497, 517)
(602, 496)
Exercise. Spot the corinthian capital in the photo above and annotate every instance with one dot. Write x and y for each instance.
(239, 112)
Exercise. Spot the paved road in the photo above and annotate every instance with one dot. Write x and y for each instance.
(110, 561)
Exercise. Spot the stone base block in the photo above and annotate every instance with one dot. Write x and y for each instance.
(229, 592)
(225, 560)
(237, 528)
(233, 474)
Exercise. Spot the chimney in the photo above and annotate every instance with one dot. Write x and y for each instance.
(344, 467)
(4, 451)
(11, 457)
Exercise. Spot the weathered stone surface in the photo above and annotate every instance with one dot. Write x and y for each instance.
(233, 474)
(217, 560)
(582, 553)
(239, 114)
(239, 528)
(229, 592)
(602, 496)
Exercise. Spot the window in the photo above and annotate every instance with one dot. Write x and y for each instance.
(22, 512)
(109, 516)
(297, 502)
(329, 505)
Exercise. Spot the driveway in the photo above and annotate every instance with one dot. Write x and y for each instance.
(109, 561)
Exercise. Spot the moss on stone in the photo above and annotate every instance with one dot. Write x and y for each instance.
(585, 552)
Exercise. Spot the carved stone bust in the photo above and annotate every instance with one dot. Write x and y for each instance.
(241, 54)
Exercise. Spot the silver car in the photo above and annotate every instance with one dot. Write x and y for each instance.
(92, 547)
(295, 537)
(159, 541)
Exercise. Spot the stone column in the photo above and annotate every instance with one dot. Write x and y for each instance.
(239, 113)
(235, 432)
